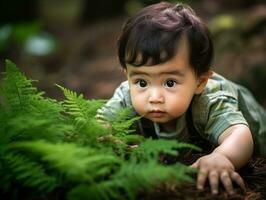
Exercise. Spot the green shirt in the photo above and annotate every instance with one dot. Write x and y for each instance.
(221, 105)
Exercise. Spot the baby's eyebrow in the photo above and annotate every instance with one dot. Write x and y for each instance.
(136, 73)
(174, 72)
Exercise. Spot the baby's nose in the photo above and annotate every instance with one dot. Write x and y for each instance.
(156, 96)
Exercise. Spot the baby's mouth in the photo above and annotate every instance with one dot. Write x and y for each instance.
(156, 113)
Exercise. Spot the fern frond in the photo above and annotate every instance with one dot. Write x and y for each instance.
(146, 176)
(25, 113)
(77, 163)
(82, 112)
(16, 89)
(77, 106)
(131, 179)
(26, 172)
(33, 126)
(123, 121)
(151, 149)
(90, 133)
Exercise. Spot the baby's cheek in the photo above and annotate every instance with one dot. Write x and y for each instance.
(139, 108)
(177, 107)
(138, 104)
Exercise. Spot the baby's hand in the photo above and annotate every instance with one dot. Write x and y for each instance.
(216, 167)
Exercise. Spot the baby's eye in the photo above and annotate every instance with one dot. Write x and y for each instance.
(142, 83)
(170, 83)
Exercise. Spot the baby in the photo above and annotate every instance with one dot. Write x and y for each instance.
(166, 53)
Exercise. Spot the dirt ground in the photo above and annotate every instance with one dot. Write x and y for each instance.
(254, 175)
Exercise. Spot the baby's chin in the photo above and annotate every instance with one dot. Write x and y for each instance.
(159, 120)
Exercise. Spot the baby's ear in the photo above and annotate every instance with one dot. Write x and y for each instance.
(202, 81)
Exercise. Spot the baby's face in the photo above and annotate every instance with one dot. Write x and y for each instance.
(163, 92)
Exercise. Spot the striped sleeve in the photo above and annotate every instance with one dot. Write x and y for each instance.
(120, 100)
(216, 115)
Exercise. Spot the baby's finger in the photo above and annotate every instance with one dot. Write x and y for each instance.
(214, 181)
(237, 178)
(202, 176)
(227, 182)
(195, 164)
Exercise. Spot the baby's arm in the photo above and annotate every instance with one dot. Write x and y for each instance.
(234, 150)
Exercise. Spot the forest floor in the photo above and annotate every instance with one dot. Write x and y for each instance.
(254, 175)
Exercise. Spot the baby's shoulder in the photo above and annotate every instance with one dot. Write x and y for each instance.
(219, 94)
(218, 86)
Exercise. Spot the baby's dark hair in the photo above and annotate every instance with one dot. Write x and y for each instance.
(151, 37)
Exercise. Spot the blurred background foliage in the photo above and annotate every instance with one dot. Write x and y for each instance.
(73, 42)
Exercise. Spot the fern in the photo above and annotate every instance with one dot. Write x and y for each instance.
(16, 89)
(126, 183)
(27, 172)
(146, 176)
(123, 122)
(76, 103)
(47, 145)
(25, 113)
(77, 163)
(81, 114)
(151, 149)
(121, 137)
